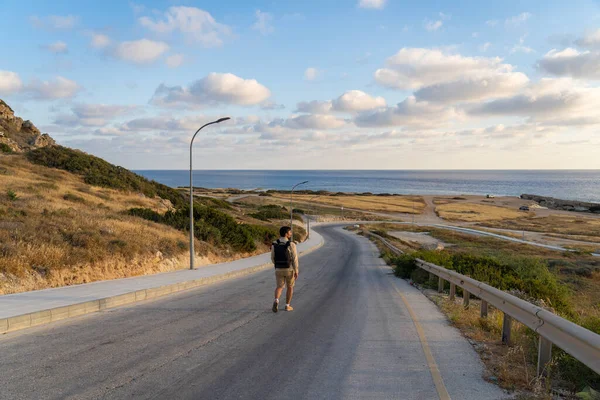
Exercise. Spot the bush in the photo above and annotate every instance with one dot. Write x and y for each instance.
(97, 172)
(404, 265)
(210, 225)
(4, 148)
(12, 196)
(74, 198)
(271, 211)
(525, 274)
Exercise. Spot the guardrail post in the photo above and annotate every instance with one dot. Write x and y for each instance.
(544, 356)
(440, 285)
(483, 309)
(466, 298)
(452, 291)
(506, 325)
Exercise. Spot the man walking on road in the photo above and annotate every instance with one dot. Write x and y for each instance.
(285, 259)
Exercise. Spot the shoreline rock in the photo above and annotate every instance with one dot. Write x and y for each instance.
(565, 205)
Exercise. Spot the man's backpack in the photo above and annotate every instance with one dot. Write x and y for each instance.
(282, 258)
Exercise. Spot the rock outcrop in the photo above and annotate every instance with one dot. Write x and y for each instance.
(17, 135)
(566, 205)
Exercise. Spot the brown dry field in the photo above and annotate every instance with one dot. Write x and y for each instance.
(469, 212)
(390, 204)
(60, 231)
(577, 224)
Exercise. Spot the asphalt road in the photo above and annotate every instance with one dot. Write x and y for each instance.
(351, 336)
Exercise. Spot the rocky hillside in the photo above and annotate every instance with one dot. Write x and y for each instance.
(18, 136)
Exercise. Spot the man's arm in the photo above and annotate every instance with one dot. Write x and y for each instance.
(294, 252)
(273, 254)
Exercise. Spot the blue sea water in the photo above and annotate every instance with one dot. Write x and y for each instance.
(582, 185)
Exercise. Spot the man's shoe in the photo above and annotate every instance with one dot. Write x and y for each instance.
(289, 308)
(275, 306)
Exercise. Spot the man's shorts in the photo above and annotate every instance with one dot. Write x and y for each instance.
(285, 277)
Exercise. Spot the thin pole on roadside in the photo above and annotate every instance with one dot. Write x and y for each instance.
(192, 253)
(292, 206)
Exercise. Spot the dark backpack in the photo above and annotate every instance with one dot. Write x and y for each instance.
(282, 259)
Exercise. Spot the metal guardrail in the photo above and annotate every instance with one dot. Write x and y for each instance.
(579, 342)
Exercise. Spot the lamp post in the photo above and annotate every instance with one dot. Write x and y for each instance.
(292, 206)
(192, 191)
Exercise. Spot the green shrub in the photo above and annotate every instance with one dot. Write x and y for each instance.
(272, 211)
(210, 225)
(4, 148)
(404, 265)
(97, 172)
(12, 196)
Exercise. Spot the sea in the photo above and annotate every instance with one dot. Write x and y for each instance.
(581, 185)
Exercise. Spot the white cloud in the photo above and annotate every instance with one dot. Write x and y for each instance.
(314, 121)
(196, 24)
(356, 100)
(59, 88)
(432, 26)
(10, 82)
(409, 113)
(491, 22)
(142, 51)
(270, 105)
(55, 21)
(175, 60)
(445, 16)
(315, 107)
(589, 40)
(475, 88)
(475, 35)
(57, 48)
(484, 47)
(216, 88)
(311, 74)
(99, 41)
(555, 102)
(373, 4)
(570, 62)
(263, 23)
(518, 19)
(350, 101)
(418, 67)
(521, 48)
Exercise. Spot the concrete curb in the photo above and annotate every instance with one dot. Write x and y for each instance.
(37, 318)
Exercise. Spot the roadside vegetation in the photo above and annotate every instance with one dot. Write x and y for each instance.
(566, 283)
(68, 218)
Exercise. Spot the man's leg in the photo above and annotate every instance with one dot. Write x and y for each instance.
(280, 283)
(278, 291)
(290, 281)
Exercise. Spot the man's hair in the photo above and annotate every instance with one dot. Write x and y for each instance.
(284, 230)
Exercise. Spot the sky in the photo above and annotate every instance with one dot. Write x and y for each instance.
(323, 84)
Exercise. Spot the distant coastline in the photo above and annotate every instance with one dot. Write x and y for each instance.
(577, 185)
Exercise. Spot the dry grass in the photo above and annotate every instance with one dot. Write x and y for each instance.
(512, 366)
(576, 224)
(324, 213)
(469, 212)
(392, 204)
(59, 231)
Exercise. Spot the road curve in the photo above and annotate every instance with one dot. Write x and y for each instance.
(352, 335)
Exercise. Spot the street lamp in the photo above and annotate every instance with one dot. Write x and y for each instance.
(292, 206)
(192, 191)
